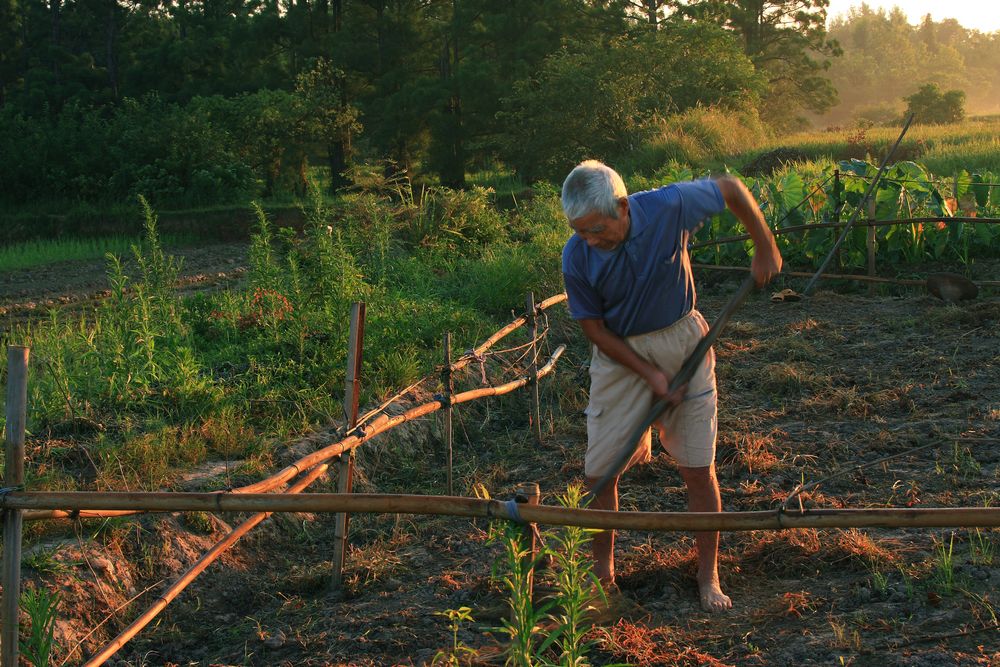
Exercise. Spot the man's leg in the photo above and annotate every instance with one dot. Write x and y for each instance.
(603, 542)
(703, 496)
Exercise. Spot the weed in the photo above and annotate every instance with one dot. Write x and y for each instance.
(982, 547)
(574, 582)
(458, 649)
(199, 522)
(524, 625)
(44, 561)
(943, 578)
(41, 607)
(843, 637)
(880, 581)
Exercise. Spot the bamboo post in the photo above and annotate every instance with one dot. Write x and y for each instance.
(536, 412)
(448, 387)
(836, 210)
(529, 494)
(345, 463)
(17, 401)
(871, 244)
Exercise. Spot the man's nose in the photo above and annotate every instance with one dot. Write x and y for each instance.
(591, 241)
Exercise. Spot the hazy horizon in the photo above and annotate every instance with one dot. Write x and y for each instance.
(971, 14)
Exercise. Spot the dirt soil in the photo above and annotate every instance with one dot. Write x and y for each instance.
(807, 389)
(28, 293)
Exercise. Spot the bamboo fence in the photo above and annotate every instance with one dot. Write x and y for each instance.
(311, 467)
(258, 498)
(777, 519)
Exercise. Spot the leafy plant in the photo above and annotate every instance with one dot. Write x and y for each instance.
(458, 649)
(944, 566)
(41, 607)
(514, 571)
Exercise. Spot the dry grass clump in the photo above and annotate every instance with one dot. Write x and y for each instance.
(751, 451)
(846, 401)
(974, 314)
(853, 543)
(636, 644)
(790, 379)
(791, 550)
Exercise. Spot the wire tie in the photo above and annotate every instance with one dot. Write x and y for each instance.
(515, 513)
(10, 489)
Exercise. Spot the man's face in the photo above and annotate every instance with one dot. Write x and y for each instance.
(602, 231)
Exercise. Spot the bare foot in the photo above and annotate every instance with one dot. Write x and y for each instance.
(712, 598)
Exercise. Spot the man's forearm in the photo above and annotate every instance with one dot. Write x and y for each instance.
(615, 347)
(767, 259)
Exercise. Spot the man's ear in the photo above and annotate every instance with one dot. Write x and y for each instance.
(622, 206)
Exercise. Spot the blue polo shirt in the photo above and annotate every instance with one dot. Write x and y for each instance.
(645, 283)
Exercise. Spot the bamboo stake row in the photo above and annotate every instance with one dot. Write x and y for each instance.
(930, 517)
(381, 424)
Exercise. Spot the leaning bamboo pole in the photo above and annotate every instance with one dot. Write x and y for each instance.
(197, 568)
(777, 519)
(369, 431)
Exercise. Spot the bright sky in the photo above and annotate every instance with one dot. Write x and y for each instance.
(983, 15)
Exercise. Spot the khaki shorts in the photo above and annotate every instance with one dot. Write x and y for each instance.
(620, 400)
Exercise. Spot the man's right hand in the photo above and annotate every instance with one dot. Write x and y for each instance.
(659, 383)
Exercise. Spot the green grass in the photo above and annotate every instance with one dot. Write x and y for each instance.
(30, 254)
(943, 149)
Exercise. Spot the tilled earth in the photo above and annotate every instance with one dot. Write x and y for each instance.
(809, 391)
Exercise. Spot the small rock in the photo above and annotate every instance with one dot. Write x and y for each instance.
(393, 584)
(865, 594)
(275, 640)
(103, 566)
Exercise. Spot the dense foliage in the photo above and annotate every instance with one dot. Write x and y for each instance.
(172, 379)
(198, 103)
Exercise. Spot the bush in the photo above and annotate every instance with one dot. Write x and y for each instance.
(930, 105)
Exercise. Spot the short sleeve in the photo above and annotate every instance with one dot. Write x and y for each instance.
(700, 199)
(584, 301)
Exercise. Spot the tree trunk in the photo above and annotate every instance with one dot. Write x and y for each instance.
(111, 42)
(55, 7)
(337, 159)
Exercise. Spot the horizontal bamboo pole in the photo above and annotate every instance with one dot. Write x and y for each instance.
(197, 568)
(382, 424)
(837, 225)
(929, 517)
(843, 276)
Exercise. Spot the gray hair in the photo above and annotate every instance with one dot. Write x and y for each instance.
(591, 187)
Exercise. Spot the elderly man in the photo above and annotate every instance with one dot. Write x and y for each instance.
(628, 278)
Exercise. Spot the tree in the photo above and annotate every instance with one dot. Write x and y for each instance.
(327, 117)
(590, 101)
(930, 105)
(787, 41)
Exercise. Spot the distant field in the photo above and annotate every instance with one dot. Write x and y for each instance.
(36, 253)
(942, 149)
